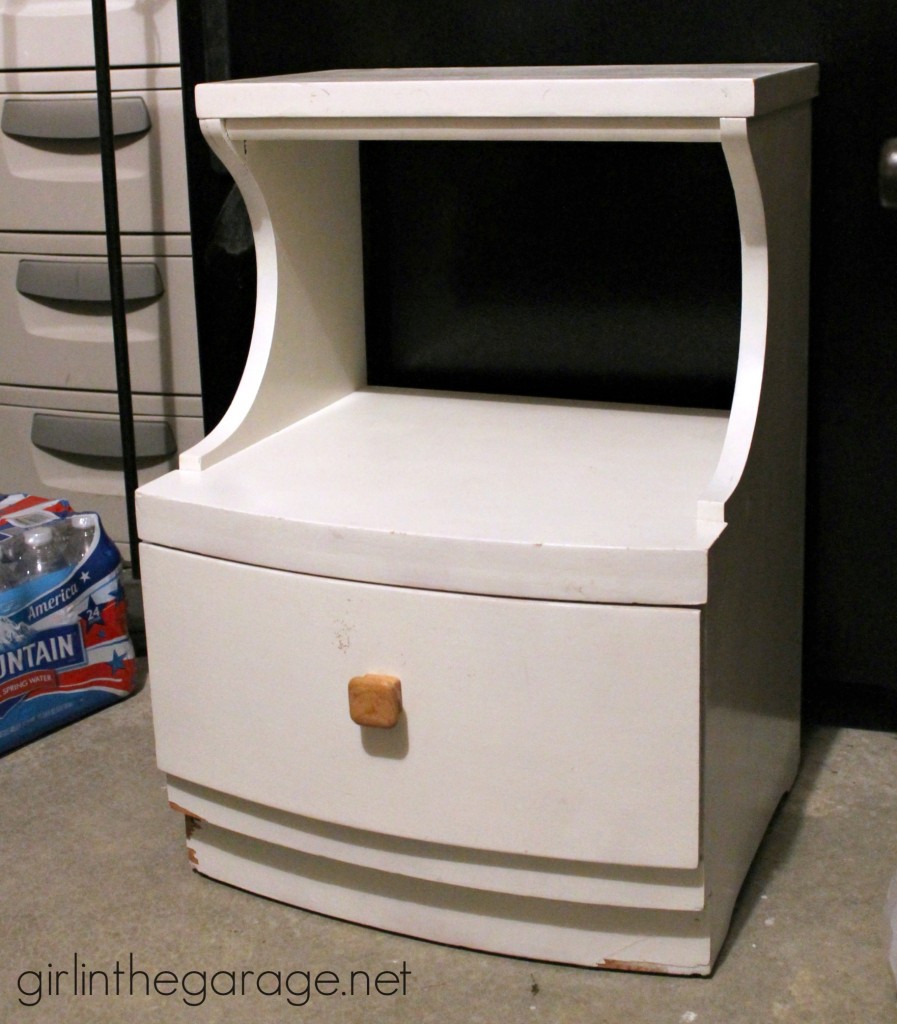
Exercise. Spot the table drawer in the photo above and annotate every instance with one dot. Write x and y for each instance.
(38, 34)
(61, 444)
(50, 172)
(535, 727)
(56, 313)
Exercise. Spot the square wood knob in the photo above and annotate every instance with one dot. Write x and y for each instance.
(375, 700)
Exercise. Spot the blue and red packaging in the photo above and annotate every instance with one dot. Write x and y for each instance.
(65, 650)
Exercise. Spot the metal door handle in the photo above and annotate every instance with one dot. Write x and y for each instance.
(887, 174)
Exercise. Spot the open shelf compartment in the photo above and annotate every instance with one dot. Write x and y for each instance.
(482, 495)
(466, 493)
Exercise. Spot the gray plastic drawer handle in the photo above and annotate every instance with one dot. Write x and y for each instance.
(65, 119)
(100, 438)
(81, 281)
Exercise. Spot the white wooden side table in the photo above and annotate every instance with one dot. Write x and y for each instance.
(573, 629)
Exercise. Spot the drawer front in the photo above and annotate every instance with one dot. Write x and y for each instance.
(37, 34)
(50, 173)
(536, 727)
(73, 458)
(57, 321)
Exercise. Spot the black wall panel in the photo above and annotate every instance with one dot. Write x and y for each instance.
(561, 270)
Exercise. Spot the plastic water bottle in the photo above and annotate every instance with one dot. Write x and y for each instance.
(43, 552)
(79, 535)
(48, 548)
(11, 570)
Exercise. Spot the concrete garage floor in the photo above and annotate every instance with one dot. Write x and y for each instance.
(92, 863)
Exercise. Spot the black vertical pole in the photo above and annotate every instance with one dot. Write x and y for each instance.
(116, 279)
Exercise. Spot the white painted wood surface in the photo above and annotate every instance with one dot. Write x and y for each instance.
(526, 498)
(754, 614)
(594, 935)
(515, 874)
(573, 779)
(672, 90)
(489, 687)
(307, 346)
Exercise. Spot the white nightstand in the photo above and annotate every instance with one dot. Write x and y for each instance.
(594, 610)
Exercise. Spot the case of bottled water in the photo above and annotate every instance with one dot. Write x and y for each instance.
(64, 644)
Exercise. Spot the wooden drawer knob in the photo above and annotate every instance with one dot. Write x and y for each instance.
(375, 700)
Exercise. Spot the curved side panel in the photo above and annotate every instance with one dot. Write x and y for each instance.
(200, 455)
(762, 457)
(307, 349)
(754, 319)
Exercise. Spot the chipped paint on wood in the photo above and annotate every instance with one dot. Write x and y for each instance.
(634, 967)
(191, 823)
(183, 810)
